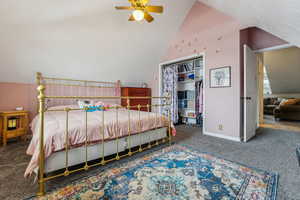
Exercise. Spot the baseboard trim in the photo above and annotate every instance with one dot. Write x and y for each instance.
(235, 139)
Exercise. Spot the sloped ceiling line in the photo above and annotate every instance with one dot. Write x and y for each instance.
(281, 18)
(83, 39)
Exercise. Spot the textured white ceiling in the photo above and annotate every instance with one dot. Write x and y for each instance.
(85, 39)
(279, 17)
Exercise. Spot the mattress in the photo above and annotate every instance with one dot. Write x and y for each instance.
(116, 124)
(77, 155)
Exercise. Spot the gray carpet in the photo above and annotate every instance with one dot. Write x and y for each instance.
(272, 150)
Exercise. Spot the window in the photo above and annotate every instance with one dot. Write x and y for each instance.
(267, 86)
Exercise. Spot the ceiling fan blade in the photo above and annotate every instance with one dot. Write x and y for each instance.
(124, 8)
(148, 17)
(144, 1)
(131, 18)
(155, 9)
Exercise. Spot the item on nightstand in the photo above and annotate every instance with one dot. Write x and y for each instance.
(19, 108)
(13, 124)
(144, 85)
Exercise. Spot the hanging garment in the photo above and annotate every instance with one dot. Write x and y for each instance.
(170, 77)
(199, 102)
(199, 96)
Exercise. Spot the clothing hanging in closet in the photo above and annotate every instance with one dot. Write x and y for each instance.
(170, 87)
(199, 97)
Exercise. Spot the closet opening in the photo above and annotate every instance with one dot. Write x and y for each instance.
(183, 79)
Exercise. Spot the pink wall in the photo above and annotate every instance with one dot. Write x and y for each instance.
(18, 95)
(206, 30)
(256, 39)
(260, 39)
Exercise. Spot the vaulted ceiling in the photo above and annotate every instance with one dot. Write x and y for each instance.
(87, 39)
(279, 17)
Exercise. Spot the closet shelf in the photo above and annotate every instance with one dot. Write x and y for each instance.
(192, 71)
(190, 99)
(189, 117)
(189, 81)
(187, 109)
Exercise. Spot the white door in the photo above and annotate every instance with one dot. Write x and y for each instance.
(250, 93)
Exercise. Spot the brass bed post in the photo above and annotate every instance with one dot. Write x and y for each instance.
(41, 97)
(140, 127)
(129, 128)
(38, 77)
(86, 166)
(149, 115)
(156, 124)
(103, 149)
(66, 173)
(118, 132)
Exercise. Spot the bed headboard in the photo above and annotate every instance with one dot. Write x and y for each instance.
(72, 87)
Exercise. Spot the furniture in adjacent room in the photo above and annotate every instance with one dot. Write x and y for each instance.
(298, 154)
(288, 110)
(270, 104)
(13, 124)
(136, 92)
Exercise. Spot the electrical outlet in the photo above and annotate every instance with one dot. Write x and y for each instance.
(220, 127)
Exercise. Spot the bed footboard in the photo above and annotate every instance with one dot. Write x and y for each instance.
(130, 140)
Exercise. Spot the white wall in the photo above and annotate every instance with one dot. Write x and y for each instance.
(83, 39)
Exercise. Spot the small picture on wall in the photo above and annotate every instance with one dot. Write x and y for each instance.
(220, 77)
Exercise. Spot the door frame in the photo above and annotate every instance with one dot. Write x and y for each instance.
(261, 65)
(193, 56)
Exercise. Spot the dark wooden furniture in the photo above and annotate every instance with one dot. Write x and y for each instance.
(136, 92)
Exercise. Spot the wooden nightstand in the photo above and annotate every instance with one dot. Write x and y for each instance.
(21, 120)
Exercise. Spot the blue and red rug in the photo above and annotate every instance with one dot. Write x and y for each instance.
(174, 173)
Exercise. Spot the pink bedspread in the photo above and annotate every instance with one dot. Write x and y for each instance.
(55, 129)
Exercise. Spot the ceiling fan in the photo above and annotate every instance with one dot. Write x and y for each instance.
(140, 10)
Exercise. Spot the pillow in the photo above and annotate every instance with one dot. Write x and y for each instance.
(107, 106)
(63, 107)
(112, 106)
(91, 106)
(85, 103)
(95, 108)
(289, 102)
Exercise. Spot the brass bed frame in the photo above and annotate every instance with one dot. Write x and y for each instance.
(42, 98)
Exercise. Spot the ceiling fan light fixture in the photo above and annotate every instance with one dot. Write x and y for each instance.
(138, 15)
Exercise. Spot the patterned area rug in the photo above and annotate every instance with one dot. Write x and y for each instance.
(174, 173)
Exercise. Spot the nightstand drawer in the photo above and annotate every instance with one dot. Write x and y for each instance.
(137, 92)
(15, 133)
